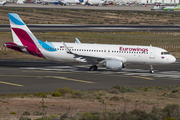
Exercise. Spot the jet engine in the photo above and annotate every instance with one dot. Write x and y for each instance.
(112, 64)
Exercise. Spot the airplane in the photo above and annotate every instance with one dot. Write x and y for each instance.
(61, 2)
(92, 2)
(171, 8)
(20, 2)
(113, 57)
(70, 2)
(3, 3)
(46, 2)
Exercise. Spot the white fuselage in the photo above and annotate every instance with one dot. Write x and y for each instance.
(70, 1)
(3, 3)
(93, 2)
(125, 53)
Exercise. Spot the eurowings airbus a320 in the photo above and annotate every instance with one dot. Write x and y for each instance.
(112, 57)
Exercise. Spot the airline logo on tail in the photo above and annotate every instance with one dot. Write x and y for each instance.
(24, 40)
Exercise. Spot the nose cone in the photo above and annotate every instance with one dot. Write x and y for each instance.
(173, 59)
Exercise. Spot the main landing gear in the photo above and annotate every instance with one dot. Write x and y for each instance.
(93, 68)
(151, 69)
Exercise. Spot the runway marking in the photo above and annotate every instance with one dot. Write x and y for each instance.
(47, 71)
(143, 77)
(57, 77)
(73, 79)
(125, 71)
(11, 84)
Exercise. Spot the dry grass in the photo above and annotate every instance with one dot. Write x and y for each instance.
(127, 38)
(58, 16)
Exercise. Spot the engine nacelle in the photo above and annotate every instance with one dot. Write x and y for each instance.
(113, 64)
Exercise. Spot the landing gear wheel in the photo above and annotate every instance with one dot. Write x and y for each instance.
(151, 71)
(93, 68)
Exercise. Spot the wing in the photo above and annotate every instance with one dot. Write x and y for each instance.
(92, 57)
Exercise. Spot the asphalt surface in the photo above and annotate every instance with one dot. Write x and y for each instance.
(97, 28)
(81, 7)
(31, 76)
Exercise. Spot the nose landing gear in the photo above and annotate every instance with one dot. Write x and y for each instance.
(151, 69)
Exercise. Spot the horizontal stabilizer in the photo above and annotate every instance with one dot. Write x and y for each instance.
(19, 46)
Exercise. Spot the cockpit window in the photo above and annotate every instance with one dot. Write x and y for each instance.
(164, 53)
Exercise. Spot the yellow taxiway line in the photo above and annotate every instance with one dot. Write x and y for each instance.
(47, 71)
(57, 77)
(73, 79)
(11, 84)
(143, 77)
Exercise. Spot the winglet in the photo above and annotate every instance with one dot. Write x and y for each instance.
(66, 48)
(77, 41)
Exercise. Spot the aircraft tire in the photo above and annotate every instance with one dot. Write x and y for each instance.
(93, 68)
(151, 71)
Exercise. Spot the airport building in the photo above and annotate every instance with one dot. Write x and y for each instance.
(161, 1)
(173, 2)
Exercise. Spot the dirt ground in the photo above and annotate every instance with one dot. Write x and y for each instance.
(142, 100)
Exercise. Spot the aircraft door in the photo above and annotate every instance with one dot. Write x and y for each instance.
(152, 53)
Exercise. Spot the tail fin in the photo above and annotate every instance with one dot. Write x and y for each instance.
(178, 6)
(20, 31)
(22, 36)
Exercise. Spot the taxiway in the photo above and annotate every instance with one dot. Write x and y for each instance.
(31, 76)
